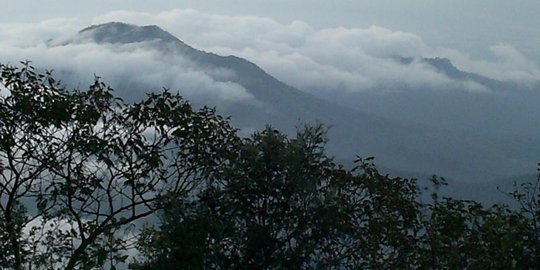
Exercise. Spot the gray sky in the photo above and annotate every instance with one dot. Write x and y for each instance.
(335, 45)
(468, 26)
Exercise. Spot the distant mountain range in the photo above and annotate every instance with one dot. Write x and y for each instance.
(462, 135)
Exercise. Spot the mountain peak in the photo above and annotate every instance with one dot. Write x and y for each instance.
(118, 32)
(445, 66)
(441, 64)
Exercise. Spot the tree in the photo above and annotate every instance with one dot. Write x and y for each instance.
(82, 170)
(79, 167)
(465, 234)
(380, 219)
(283, 203)
(261, 214)
(273, 201)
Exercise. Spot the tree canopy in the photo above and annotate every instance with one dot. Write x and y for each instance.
(284, 204)
(87, 178)
(79, 166)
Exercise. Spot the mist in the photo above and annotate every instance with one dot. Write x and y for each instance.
(338, 59)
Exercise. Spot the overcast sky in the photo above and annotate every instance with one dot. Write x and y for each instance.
(469, 26)
(335, 45)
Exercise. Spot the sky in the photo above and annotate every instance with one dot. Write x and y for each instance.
(345, 45)
(470, 26)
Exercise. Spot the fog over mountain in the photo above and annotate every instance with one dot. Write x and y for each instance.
(419, 110)
(420, 141)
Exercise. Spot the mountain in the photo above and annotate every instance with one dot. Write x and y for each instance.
(445, 66)
(488, 109)
(364, 125)
(501, 117)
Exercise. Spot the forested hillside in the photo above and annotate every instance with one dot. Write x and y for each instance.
(90, 181)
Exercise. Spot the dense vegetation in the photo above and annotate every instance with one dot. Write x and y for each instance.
(81, 171)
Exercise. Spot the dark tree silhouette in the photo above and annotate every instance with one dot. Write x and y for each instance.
(81, 170)
(80, 166)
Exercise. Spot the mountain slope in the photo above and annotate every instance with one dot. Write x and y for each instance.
(397, 144)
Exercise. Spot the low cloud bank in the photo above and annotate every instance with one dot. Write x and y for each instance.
(137, 63)
(350, 59)
(331, 59)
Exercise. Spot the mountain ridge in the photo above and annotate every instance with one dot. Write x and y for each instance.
(397, 145)
(136, 34)
(445, 66)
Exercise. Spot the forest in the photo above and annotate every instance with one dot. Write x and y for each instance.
(90, 181)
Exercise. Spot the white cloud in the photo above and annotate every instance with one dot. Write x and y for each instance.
(348, 59)
(509, 64)
(38, 230)
(4, 91)
(30, 34)
(144, 66)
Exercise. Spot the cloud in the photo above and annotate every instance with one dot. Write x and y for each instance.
(30, 34)
(3, 91)
(509, 64)
(38, 230)
(327, 59)
(349, 59)
(146, 69)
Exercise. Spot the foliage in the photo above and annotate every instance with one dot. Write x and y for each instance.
(81, 171)
(86, 166)
(261, 213)
(283, 204)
